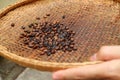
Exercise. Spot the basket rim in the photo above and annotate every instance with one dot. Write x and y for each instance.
(32, 63)
(40, 65)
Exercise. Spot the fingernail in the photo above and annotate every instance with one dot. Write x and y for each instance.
(94, 57)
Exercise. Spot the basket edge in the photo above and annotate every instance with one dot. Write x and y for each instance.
(11, 7)
(41, 65)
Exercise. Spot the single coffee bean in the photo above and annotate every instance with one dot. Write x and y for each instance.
(38, 18)
(22, 27)
(47, 14)
(63, 17)
(12, 24)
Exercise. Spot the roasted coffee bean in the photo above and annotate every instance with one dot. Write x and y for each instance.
(57, 48)
(23, 35)
(41, 53)
(45, 17)
(35, 30)
(40, 46)
(31, 35)
(27, 31)
(63, 17)
(45, 43)
(22, 27)
(66, 27)
(12, 24)
(53, 51)
(50, 36)
(31, 25)
(38, 18)
(30, 45)
(75, 49)
(47, 14)
(36, 41)
(48, 52)
(72, 46)
(72, 39)
(26, 41)
(35, 47)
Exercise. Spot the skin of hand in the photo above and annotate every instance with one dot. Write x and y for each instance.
(107, 70)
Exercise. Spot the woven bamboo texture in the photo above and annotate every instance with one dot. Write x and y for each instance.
(96, 23)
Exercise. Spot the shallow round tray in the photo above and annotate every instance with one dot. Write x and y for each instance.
(96, 23)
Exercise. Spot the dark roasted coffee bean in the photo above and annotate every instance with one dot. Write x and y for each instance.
(47, 14)
(42, 53)
(36, 41)
(31, 45)
(75, 49)
(22, 27)
(73, 32)
(30, 38)
(50, 36)
(23, 35)
(72, 46)
(35, 30)
(63, 17)
(31, 25)
(35, 47)
(66, 27)
(26, 41)
(48, 52)
(38, 18)
(40, 46)
(27, 31)
(69, 49)
(12, 25)
(53, 51)
(45, 17)
(31, 35)
(45, 43)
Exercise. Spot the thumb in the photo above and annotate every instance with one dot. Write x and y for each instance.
(107, 53)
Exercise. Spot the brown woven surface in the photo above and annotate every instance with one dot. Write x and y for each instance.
(96, 23)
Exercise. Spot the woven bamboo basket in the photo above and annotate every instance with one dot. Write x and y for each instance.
(96, 23)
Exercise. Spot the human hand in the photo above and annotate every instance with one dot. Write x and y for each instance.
(108, 70)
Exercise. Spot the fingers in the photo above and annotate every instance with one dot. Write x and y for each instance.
(109, 70)
(107, 53)
(104, 70)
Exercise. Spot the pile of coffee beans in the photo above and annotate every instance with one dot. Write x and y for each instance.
(48, 37)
